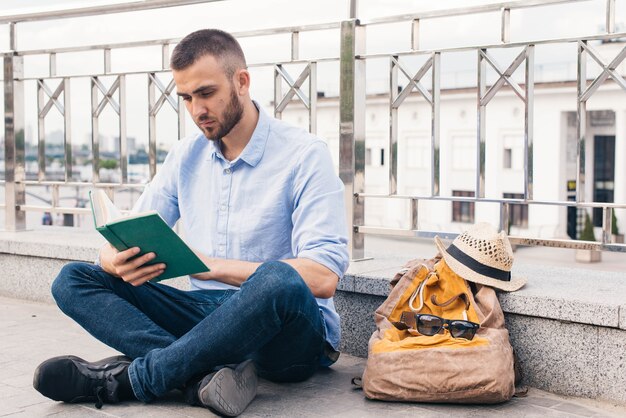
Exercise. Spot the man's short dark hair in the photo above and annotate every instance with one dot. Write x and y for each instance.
(217, 43)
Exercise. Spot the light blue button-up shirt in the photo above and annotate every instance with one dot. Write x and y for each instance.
(279, 199)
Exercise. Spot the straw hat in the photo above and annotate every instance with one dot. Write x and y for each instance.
(482, 255)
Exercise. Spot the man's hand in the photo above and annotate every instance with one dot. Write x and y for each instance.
(131, 271)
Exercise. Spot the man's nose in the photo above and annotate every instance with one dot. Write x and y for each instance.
(198, 108)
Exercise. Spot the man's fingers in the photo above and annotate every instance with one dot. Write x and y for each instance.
(123, 256)
(142, 275)
(124, 266)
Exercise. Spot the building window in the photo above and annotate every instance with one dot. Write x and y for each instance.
(463, 211)
(463, 152)
(507, 158)
(417, 152)
(513, 154)
(518, 213)
(382, 157)
(368, 156)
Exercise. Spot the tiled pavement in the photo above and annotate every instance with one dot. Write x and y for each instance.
(31, 332)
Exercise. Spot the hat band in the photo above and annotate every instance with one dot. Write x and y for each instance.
(477, 266)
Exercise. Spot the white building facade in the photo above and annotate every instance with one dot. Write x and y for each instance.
(554, 157)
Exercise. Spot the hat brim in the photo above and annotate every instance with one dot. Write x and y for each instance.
(470, 275)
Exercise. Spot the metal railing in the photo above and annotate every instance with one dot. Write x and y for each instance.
(352, 61)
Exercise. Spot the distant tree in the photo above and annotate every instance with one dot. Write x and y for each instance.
(587, 232)
(110, 164)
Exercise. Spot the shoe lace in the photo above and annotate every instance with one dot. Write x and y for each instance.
(100, 392)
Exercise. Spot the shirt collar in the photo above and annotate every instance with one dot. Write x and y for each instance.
(253, 151)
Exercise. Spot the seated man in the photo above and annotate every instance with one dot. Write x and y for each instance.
(260, 202)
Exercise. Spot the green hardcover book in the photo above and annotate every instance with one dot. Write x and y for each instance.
(149, 232)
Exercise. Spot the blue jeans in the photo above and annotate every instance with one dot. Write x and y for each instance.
(175, 336)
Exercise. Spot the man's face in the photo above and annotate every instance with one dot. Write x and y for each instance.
(210, 97)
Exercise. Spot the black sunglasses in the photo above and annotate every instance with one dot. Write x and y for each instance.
(431, 325)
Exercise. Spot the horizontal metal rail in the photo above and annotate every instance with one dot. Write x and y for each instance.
(545, 242)
(463, 11)
(128, 6)
(612, 36)
(167, 41)
(488, 200)
(160, 71)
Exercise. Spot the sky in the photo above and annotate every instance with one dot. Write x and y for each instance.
(581, 18)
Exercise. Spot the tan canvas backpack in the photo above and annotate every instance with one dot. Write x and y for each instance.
(404, 365)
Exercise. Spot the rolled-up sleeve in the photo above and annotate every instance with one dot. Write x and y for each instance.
(319, 216)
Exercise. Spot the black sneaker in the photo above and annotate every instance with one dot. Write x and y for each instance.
(72, 379)
(228, 391)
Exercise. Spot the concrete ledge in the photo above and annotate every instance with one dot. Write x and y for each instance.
(568, 325)
(568, 294)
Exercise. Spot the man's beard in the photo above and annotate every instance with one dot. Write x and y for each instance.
(231, 117)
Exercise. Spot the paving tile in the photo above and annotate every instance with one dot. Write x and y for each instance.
(9, 391)
(542, 401)
(6, 410)
(573, 408)
(23, 380)
(24, 399)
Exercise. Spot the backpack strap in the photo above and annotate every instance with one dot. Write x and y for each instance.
(450, 301)
(420, 292)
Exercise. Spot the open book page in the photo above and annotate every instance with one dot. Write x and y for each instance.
(104, 211)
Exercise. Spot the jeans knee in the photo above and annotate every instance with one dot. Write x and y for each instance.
(280, 278)
(62, 285)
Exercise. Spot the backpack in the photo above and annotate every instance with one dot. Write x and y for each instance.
(404, 365)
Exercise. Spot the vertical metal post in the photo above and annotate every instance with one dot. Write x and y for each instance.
(529, 122)
(95, 139)
(353, 10)
(504, 216)
(393, 127)
(123, 142)
(352, 127)
(67, 127)
(415, 35)
(295, 46)
(505, 33)
(610, 16)
(152, 154)
(278, 92)
(313, 97)
(41, 133)
(52, 61)
(55, 196)
(165, 56)
(15, 219)
(607, 224)
(414, 214)
(435, 168)
(181, 118)
(482, 128)
(107, 61)
(581, 128)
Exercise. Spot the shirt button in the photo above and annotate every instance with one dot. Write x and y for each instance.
(223, 207)
(227, 171)
(221, 248)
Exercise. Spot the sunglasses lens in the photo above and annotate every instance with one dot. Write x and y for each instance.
(429, 324)
(462, 329)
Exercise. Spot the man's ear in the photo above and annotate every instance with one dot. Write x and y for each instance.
(242, 81)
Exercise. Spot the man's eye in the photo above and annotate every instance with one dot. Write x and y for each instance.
(206, 93)
(186, 98)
